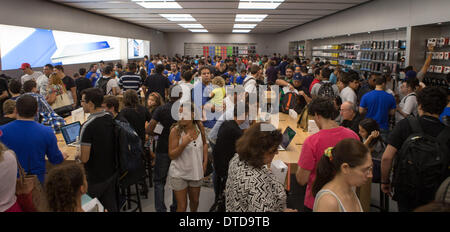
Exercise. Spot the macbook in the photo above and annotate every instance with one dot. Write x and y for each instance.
(288, 136)
(71, 132)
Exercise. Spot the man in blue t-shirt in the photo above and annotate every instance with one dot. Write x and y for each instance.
(200, 96)
(241, 77)
(92, 74)
(175, 76)
(151, 66)
(378, 105)
(30, 140)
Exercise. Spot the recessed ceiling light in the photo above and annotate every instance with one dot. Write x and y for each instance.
(198, 30)
(178, 17)
(250, 26)
(191, 25)
(259, 4)
(158, 4)
(241, 31)
(250, 17)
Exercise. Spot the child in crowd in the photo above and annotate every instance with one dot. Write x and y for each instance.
(370, 133)
(64, 187)
(218, 94)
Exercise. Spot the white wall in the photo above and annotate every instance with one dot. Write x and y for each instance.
(373, 16)
(264, 42)
(48, 15)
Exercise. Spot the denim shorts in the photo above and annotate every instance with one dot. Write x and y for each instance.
(178, 184)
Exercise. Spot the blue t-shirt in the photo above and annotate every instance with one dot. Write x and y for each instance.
(150, 67)
(31, 142)
(445, 113)
(173, 78)
(333, 78)
(378, 103)
(94, 80)
(240, 80)
(200, 96)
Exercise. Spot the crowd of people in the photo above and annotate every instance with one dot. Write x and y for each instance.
(366, 122)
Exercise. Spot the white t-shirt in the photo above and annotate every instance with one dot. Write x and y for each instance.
(42, 82)
(113, 83)
(408, 105)
(186, 90)
(250, 85)
(347, 94)
(33, 76)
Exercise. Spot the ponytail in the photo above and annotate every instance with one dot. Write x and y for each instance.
(350, 151)
(325, 171)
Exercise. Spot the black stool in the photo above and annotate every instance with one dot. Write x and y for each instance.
(126, 191)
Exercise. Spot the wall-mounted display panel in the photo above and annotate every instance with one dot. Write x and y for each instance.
(41, 46)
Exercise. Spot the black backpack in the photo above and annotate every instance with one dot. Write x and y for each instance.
(326, 90)
(421, 165)
(102, 84)
(130, 163)
(291, 101)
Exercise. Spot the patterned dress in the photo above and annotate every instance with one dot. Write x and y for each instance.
(251, 189)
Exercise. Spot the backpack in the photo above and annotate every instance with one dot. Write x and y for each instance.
(290, 101)
(326, 90)
(130, 164)
(102, 84)
(421, 165)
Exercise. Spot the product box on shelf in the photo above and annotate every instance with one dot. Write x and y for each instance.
(447, 70)
(432, 41)
(447, 55)
(438, 69)
(441, 55)
(440, 42)
(431, 68)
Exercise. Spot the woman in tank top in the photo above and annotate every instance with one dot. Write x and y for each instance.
(188, 151)
(341, 169)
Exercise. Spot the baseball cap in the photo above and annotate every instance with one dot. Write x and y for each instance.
(25, 65)
(410, 74)
(297, 77)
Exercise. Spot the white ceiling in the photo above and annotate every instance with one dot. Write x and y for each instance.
(215, 15)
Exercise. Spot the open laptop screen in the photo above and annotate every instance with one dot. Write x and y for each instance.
(288, 135)
(71, 132)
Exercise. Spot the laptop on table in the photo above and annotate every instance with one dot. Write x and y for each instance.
(288, 136)
(70, 133)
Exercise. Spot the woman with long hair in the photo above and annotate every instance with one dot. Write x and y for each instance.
(188, 151)
(340, 170)
(56, 92)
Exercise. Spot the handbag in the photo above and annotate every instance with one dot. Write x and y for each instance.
(29, 185)
(61, 101)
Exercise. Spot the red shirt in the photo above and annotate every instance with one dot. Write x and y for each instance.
(313, 149)
(315, 81)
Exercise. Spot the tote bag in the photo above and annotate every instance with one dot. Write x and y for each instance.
(29, 184)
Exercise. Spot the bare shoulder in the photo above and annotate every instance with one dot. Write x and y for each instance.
(327, 203)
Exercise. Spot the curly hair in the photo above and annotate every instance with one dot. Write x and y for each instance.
(255, 142)
(62, 187)
(432, 99)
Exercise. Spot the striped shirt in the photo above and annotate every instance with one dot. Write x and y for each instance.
(130, 81)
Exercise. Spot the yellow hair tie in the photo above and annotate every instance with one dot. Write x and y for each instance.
(328, 153)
